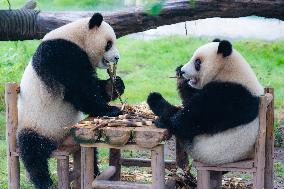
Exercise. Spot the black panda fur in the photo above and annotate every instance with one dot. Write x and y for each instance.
(82, 88)
(226, 105)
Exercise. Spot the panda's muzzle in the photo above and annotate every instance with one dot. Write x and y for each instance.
(191, 80)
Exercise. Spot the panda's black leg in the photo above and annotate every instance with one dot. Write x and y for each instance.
(35, 150)
(96, 167)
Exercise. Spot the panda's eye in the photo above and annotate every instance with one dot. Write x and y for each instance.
(108, 46)
(197, 64)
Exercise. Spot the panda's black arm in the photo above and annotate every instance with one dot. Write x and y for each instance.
(90, 99)
(215, 108)
(160, 106)
(61, 64)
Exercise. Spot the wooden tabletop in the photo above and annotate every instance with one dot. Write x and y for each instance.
(148, 136)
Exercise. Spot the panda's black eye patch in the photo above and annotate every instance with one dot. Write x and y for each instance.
(108, 45)
(197, 64)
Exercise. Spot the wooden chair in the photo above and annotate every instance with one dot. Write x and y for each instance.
(261, 166)
(64, 177)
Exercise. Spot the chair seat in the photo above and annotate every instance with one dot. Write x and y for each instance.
(244, 165)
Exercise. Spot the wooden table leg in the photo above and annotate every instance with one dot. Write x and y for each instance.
(77, 168)
(63, 172)
(158, 167)
(114, 160)
(87, 167)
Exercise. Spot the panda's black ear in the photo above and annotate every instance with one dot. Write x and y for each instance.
(216, 40)
(96, 20)
(225, 48)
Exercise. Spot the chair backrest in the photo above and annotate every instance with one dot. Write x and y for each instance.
(265, 125)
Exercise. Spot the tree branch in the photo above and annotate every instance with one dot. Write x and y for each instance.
(34, 25)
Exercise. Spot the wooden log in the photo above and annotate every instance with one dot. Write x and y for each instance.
(158, 167)
(170, 164)
(85, 134)
(260, 146)
(114, 160)
(147, 137)
(63, 173)
(77, 169)
(30, 24)
(11, 129)
(87, 167)
(103, 184)
(117, 136)
(269, 145)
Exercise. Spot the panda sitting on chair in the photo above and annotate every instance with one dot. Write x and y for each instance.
(58, 85)
(219, 119)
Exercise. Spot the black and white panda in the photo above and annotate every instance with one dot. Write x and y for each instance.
(220, 93)
(59, 84)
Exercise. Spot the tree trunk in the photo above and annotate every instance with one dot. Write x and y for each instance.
(26, 24)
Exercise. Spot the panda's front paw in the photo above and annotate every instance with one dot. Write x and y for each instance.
(179, 72)
(113, 111)
(156, 102)
(119, 88)
(153, 99)
(119, 85)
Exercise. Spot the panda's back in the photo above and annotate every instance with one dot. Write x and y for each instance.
(41, 109)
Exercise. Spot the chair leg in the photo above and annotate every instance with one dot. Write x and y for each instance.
(63, 172)
(13, 172)
(203, 179)
(258, 179)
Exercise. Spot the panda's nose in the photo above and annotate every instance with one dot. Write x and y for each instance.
(116, 58)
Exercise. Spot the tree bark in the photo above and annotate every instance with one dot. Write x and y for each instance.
(26, 24)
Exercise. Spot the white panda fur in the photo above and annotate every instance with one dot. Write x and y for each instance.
(230, 144)
(44, 113)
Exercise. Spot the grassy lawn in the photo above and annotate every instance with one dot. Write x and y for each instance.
(145, 66)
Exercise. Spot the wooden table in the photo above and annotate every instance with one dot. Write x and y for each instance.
(117, 138)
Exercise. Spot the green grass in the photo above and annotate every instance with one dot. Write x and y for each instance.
(145, 66)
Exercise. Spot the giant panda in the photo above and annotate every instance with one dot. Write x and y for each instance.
(218, 122)
(58, 85)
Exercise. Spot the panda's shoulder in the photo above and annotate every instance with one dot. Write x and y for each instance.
(226, 89)
(53, 52)
(56, 48)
